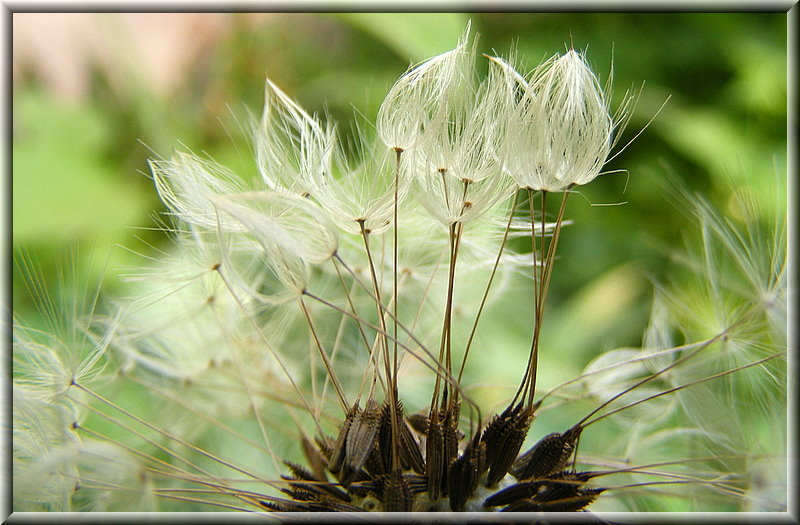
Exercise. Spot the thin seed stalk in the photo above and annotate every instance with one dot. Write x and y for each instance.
(378, 303)
(551, 252)
(443, 351)
(488, 286)
(546, 273)
(436, 368)
(353, 308)
(540, 293)
(525, 382)
(328, 366)
(390, 378)
(399, 153)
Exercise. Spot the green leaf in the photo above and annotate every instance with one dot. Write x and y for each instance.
(413, 36)
(63, 186)
(732, 153)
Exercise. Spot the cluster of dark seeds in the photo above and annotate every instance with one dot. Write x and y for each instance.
(438, 467)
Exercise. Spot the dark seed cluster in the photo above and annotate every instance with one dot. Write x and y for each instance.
(437, 467)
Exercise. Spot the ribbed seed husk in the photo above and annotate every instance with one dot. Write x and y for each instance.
(504, 437)
(550, 454)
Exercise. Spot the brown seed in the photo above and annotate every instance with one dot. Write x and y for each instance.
(325, 446)
(523, 505)
(408, 449)
(318, 485)
(299, 472)
(554, 496)
(538, 490)
(503, 437)
(450, 434)
(361, 438)
(385, 438)
(464, 473)
(564, 497)
(374, 465)
(299, 493)
(419, 422)
(316, 460)
(338, 452)
(397, 496)
(276, 506)
(410, 454)
(513, 494)
(547, 456)
(434, 455)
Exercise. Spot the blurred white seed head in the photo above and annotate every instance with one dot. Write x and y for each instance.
(90, 476)
(186, 184)
(284, 221)
(70, 348)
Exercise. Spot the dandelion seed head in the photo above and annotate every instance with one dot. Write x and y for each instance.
(48, 363)
(326, 299)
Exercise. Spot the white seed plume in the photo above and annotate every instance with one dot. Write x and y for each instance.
(293, 149)
(417, 97)
(291, 223)
(362, 191)
(187, 183)
(560, 132)
(457, 170)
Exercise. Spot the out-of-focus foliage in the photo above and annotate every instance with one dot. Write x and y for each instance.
(80, 173)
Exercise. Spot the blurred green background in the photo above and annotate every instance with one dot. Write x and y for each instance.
(96, 95)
